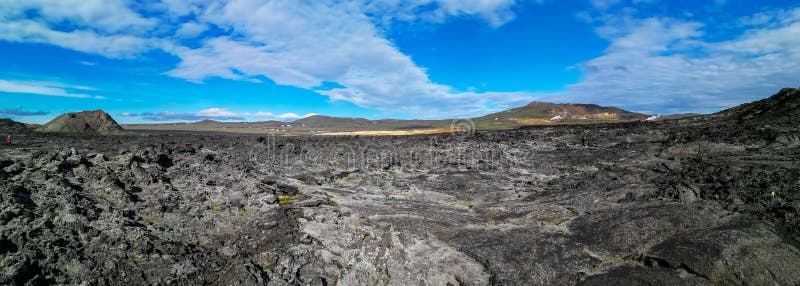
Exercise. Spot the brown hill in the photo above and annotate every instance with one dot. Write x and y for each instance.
(85, 122)
(11, 126)
(544, 113)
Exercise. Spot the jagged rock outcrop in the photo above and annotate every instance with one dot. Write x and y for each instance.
(93, 122)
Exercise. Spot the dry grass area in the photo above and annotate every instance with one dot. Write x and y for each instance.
(534, 121)
(603, 115)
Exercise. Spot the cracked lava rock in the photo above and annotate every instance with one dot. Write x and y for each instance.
(708, 200)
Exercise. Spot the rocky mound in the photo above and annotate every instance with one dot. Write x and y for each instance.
(85, 122)
(757, 181)
(772, 120)
(11, 126)
(781, 109)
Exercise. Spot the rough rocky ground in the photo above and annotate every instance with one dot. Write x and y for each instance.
(699, 201)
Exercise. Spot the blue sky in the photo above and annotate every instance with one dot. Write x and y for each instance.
(171, 60)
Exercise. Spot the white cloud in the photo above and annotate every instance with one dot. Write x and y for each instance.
(177, 8)
(43, 88)
(216, 112)
(226, 113)
(665, 66)
(272, 116)
(770, 18)
(651, 64)
(190, 30)
(113, 46)
(781, 39)
(604, 4)
(306, 44)
(297, 43)
(107, 27)
(106, 16)
(494, 12)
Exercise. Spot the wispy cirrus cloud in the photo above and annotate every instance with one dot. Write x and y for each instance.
(221, 114)
(46, 88)
(106, 27)
(21, 112)
(494, 12)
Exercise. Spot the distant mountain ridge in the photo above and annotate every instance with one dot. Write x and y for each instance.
(779, 111)
(346, 123)
(535, 113)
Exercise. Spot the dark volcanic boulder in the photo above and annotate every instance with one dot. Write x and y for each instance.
(85, 122)
(741, 252)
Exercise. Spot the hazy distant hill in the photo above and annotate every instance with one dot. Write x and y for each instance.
(354, 124)
(535, 113)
